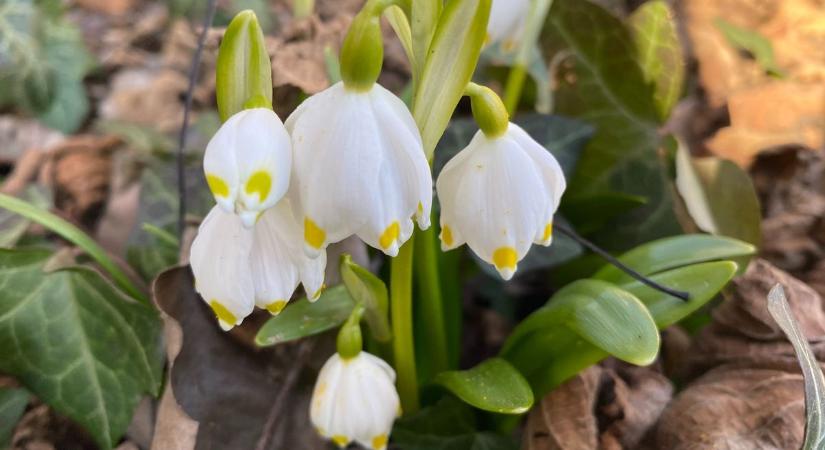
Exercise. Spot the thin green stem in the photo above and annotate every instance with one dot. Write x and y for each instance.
(514, 87)
(402, 326)
(518, 73)
(429, 294)
(76, 236)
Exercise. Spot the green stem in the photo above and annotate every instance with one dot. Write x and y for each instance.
(76, 236)
(402, 326)
(514, 87)
(432, 305)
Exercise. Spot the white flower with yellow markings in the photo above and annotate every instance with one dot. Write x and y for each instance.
(237, 268)
(507, 21)
(247, 163)
(359, 168)
(355, 400)
(499, 195)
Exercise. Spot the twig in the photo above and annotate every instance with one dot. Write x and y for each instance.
(681, 295)
(193, 74)
(303, 353)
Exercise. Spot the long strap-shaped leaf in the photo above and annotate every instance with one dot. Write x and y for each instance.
(814, 380)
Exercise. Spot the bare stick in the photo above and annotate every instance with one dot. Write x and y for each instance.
(193, 74)
(681, 295)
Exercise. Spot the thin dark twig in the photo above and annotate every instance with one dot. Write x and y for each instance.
(301, 358)
(193, 74)
(681, 295)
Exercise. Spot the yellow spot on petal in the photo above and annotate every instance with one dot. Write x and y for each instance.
(340, 440)
(389, 235)
(260, 182)
(216, 184)
(420, 208)
(548, 232)
(447, 236)
(379, 442)
(223, 314)
(321, 389)
(313, 234)
(505, 258)
(276, 307)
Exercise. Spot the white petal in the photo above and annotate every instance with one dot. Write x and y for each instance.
(220, 166)
(220, 263)
(274, 273)
(312, 275)
(264, 154)
(507, 19)
(336, 161)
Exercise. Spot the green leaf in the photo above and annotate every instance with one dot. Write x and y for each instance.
(398, 20)
(77, 343)
(447, 425)
(303, 318)
(12, 404)
(69, 107)
(751, 41)
(669, 253)
(811, 371)
(369, 290)
(548, 356)
(494, 385)
(719, 196)
(13, 226)
(451, 60)
(592, 212)
(76, 236)
(607, 87)
(659, 52)
(243, 70)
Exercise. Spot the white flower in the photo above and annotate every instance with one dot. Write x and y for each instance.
(236, 268)
(359, 168)
(355, 400)
(499, 195)
(247, 163)
(507, 21)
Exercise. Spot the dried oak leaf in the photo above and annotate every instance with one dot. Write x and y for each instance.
(749, 393)
(601, 408)
(228, 389)
(764, 112)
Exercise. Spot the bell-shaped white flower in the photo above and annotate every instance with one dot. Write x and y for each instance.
(499, 195)
(359, 168)
(355, 400)
(237, 268)
(507, 21)
(247, 163)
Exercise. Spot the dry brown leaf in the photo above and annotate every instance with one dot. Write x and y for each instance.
(609, 408)
(764, 113)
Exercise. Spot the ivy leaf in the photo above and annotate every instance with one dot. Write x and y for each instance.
(12, 404)
(494, 385)
(607, 87)
(76, 342)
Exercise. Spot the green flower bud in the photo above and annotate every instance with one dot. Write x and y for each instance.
(363, 52)
(349, 341)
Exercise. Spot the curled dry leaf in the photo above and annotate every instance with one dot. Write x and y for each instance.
(749, 392)
(601, 408)
(228, 389)
(764, 112)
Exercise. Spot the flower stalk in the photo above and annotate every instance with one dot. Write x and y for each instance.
(401, 313)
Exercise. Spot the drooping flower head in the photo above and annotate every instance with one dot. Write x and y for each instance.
(507, 21)
(359, 164)
(247, 163)
(500, 193)
(355, 400)
(236, 268)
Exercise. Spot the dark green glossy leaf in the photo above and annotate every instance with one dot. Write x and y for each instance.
(606, 86)
(719, 196)
(12, 404)
(366, 288)
(302, 318)
(76, 342)
(447, 425)
(494, 385)
(593, 211)
(654, 31)
(678, 251)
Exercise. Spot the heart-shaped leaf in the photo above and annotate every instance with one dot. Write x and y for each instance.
(302, 318)
(494, 385)
(76, 342)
